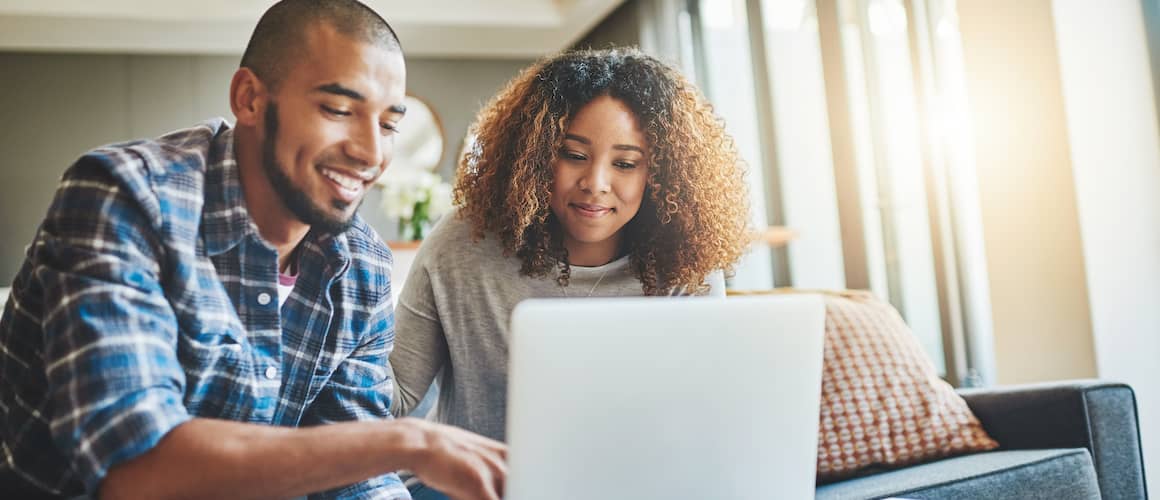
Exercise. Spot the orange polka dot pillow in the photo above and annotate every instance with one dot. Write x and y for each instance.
(883, 403)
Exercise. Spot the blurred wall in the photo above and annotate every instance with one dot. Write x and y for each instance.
(622, 28)
(1035, 261)
(1115, 144)
(1069, 174)
(54, 107)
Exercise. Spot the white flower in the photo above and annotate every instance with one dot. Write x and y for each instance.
(405, 190)
(397, 200)
(426, 180)
(406, 210)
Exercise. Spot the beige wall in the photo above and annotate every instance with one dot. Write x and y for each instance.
(1042, 323)
(1115, 143)
(622, 28)
(54, 107)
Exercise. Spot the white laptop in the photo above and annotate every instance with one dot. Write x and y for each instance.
(664, 398)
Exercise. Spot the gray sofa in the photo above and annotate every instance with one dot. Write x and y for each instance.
(1058, 441)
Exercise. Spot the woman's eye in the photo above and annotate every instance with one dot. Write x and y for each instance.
(624, 165)
(573, 156)
(336, 112)
(389, 127)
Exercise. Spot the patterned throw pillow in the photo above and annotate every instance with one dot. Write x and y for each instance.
(882, 400)
(883, 404)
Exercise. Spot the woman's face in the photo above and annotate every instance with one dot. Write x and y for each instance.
(599, 180)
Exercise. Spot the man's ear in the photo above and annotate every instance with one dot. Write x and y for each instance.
(248, 96)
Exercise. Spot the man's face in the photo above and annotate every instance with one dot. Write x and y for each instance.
(329, 129)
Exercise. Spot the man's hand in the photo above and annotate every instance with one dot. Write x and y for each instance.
(242, 460)
(462, 465)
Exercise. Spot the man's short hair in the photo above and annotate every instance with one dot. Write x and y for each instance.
(280, 36)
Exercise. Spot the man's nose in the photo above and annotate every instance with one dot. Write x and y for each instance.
(365, 144)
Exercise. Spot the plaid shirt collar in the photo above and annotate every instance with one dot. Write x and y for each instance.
(226, 221)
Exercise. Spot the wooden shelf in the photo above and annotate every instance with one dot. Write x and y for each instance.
(404, 245)
(776, 236)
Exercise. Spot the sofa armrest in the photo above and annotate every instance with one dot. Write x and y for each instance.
(1097, 415)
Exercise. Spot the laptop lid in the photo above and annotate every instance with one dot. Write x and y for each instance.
(673, 398)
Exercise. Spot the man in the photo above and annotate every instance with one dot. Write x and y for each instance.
(194, 308)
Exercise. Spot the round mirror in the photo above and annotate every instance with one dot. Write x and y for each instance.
(419, 144)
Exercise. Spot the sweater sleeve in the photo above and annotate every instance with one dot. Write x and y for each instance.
(420, 345)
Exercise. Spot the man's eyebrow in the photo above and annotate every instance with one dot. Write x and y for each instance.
(338, 89)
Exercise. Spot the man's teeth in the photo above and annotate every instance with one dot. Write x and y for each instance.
(345, 181)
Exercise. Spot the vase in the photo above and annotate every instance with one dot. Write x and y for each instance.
(413, 229)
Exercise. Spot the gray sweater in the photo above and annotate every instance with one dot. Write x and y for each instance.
(453, 317)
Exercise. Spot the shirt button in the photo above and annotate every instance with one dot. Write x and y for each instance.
(263, 298)
(271, 372)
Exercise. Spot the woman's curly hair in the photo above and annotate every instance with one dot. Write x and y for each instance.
(694, 216)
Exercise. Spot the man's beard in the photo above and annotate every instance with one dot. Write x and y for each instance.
(296, 200)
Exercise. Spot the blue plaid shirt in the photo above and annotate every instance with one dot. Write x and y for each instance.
(148, 298)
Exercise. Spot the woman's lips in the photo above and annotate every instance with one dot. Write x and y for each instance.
(589, 210)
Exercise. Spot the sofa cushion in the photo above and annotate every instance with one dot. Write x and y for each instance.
(1058, 474)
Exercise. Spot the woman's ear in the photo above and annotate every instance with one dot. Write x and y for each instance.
(248, 97)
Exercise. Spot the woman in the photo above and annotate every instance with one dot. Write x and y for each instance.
(594, 173)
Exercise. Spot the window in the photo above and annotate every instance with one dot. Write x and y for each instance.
(854, 124)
